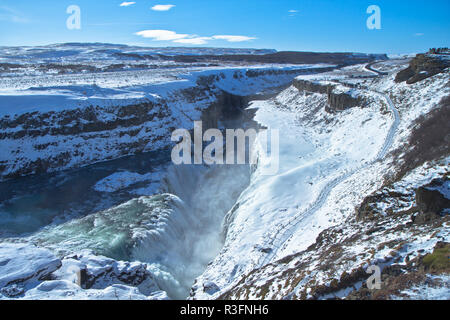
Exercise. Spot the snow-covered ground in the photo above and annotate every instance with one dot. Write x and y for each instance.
(316, 148)
(176, 234)
(235, 231)
(83, 123)
(124, 179)
(335, 265)
(64, 92)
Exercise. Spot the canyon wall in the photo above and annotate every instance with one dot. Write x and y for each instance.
(41, 142)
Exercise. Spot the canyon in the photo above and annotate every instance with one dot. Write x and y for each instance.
(93, 207)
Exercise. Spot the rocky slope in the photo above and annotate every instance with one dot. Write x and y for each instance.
(339, 98)
(104, 129)
(69, 105)
(422, 67)
(391, 213)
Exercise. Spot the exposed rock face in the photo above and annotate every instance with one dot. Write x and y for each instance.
(370, 209)
(337, 101)
(71, 122)
(210, 288)
(425, 203)
(342, 101)
(430, 198)
(74, 137)
(432, 201)
(101, 272)
(422, 67)
(227, 107)
(310, 86)
(43, 142)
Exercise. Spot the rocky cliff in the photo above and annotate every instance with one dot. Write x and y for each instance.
(422, 67)
(40, 142)
(338, 99)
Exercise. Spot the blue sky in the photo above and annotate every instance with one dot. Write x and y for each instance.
(301, 25)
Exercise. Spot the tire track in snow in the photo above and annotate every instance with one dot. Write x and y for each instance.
(286, 231)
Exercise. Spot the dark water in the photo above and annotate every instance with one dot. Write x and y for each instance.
(30, 203)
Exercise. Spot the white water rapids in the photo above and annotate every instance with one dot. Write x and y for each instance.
(177, 232)
(206, 195)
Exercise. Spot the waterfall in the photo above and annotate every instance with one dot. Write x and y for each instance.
(193, 236)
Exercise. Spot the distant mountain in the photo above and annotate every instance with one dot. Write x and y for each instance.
(89, 52)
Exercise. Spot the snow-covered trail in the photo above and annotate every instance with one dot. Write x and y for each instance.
(286, 231)
(391, 134)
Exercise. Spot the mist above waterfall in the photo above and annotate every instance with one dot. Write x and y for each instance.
(177, 232)
(206, 194)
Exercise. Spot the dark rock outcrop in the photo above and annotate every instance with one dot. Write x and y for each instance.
(342, 101)
(337, 101)
(98, 272)
(210, 288)
(227, 107)
(422, 67)
(310, 86)
(283, 57)
(429, 198)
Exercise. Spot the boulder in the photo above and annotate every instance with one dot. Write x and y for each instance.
(98, 272)
(432, 197)
(210, 288)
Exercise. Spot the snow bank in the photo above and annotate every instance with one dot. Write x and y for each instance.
(124, 179)
(25, 263)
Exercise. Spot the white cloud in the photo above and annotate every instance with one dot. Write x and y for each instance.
(197, 40)
(419, 34)
(126, 4)
(233, 38)
(11, 15)
(163, 7)
(161, 35)
(167, 35)
(293, 11)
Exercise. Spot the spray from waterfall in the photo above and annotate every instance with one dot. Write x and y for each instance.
(192, 236)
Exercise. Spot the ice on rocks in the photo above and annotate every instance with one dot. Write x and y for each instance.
(23, 264)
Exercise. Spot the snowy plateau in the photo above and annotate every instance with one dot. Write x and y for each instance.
(91, 206)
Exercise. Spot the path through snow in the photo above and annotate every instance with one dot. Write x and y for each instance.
(286, 231)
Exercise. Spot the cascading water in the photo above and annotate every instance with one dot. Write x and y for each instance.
(177, 232)
(206, 195)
